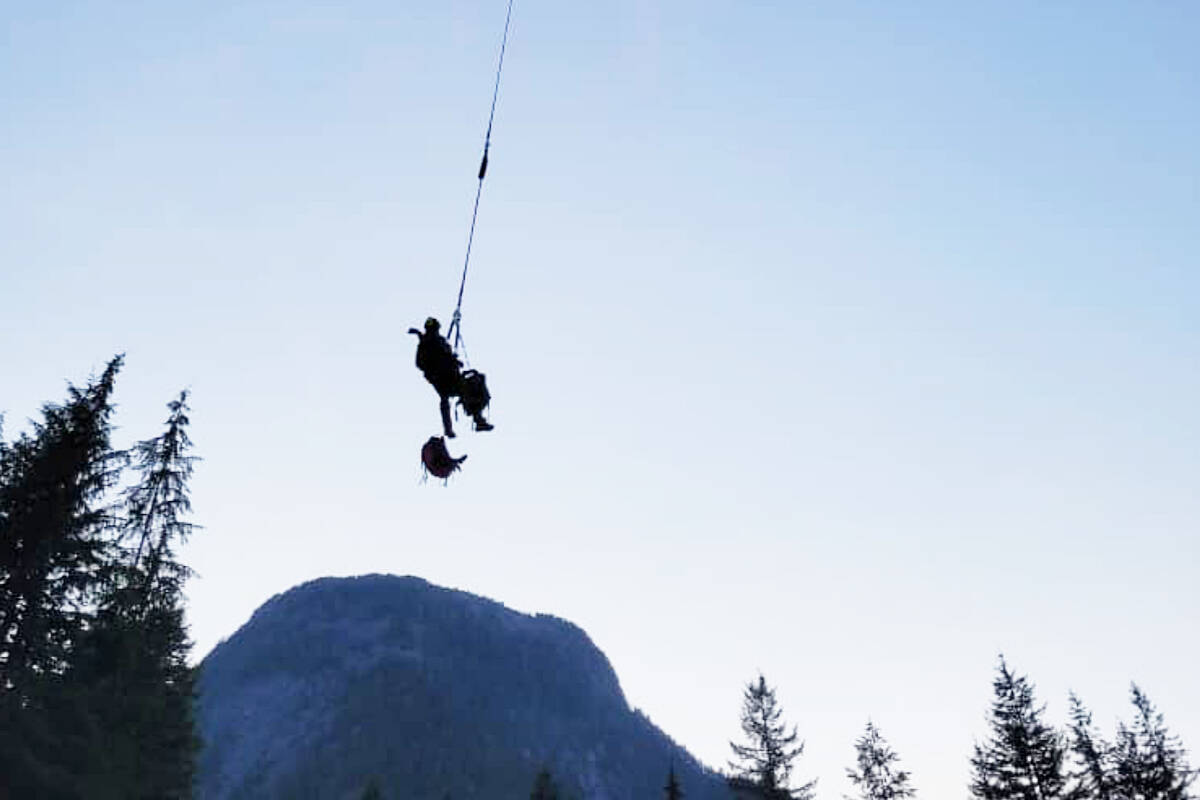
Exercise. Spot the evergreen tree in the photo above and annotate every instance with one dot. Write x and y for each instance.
(673, 790)
(1150, 763)
(764, 763)
(543, 786)
(876, 777)
(54, 546)
(1093, 773)
(372, 792)
(155, 508)
(1023, 759)
(133, 664)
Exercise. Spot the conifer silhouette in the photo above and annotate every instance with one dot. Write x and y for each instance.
(763, 765)
(876, 777)
(1150, 763)
(673, 790)
(1023, 758)
(1093, 774)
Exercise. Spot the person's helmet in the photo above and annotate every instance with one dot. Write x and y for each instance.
(432, 324)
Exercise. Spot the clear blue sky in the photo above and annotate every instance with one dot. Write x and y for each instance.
(852, 342)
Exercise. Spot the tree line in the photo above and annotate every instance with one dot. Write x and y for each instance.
(95, 689)
(1023, 757)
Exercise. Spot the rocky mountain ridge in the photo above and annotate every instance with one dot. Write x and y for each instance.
(431, 692)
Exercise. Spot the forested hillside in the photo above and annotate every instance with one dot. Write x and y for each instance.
(428, 691)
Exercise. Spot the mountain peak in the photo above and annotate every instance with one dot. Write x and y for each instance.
(427, 689)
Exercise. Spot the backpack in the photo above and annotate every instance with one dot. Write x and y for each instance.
(474, 395)
(437, 460)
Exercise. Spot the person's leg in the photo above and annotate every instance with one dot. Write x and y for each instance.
(444, 407)
(475, 398)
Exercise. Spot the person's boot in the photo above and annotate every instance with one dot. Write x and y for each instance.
(482, 424)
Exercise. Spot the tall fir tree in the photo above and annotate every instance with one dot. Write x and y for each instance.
(877, 776)
(1093, 773)
(544, 787)
(763, 765)
(155, 509)
(54, 546)
(134, 659)
(53, 534)
(1149, 762)
(1023, 758)
(673, 790)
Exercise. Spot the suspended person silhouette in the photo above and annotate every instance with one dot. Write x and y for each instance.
(441, 367)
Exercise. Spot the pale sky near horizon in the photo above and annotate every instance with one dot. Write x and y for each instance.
(851, 342)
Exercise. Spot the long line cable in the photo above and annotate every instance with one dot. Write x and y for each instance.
(456, 320)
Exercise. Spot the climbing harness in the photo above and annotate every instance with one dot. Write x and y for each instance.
(455, 328)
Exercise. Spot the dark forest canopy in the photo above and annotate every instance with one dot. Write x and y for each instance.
(95, 688)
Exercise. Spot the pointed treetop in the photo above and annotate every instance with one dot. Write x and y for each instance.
(876, 776)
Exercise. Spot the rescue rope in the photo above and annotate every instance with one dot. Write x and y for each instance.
(456, 320)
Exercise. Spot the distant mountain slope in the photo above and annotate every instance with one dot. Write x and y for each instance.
(431, 691)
